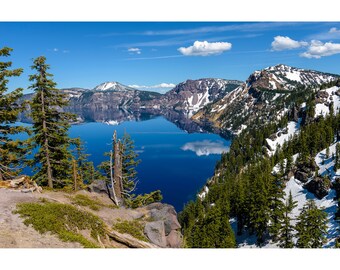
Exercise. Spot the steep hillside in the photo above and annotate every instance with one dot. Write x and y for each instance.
(300, 153)
(265, 96)
(193, 95)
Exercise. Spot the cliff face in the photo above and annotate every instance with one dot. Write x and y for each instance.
(193, 95)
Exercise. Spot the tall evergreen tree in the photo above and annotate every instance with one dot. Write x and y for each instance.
(337, 157)
(53, 160)
(129, 163)
(86, 170)
(277, 207)
(286, 230)
(311, 226)
(11, 151)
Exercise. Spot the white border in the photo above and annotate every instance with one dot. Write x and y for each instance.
(170, 10)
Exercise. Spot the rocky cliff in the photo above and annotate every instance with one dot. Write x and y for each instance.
(265, 96)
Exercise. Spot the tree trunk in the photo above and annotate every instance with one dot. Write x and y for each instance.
(129, 241)
(47, 153)
(112, 180)
(118, 184)
(74, 167)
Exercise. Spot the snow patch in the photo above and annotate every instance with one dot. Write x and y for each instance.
(292, 128)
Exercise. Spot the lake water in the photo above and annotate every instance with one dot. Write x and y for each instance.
(172, 160)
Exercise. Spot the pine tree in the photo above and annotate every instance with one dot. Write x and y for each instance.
(289, 163)
(337, 157)
(12, 151)
(311, 226)
(86, 170)
(285, 238)
(277, 208)
(53, 160)
(129, 164)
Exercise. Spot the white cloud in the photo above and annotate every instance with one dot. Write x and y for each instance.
(134, 50)
(318, 49)
(55, 49)
(205, 147)
(331, 34)
(205, 48)
(281, 43)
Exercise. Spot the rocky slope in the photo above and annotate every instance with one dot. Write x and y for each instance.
(161, 227)
(195, 94)
(265, 96)
(108, 96)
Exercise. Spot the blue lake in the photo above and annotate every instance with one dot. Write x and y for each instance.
(172, 160)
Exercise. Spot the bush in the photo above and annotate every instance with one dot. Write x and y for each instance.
(145, 199)
(135, 228)
(63, 220)
(84, 200)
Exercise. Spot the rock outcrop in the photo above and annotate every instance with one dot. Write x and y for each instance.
(318, 186)
(164, 230)
(98, 186)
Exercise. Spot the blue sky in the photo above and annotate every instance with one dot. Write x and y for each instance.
(152, 55)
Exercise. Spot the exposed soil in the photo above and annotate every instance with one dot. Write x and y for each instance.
(15, 234)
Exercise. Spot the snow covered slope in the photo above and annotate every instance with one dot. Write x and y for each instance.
(266, 95)
(193, 95)
(283, 77)
(325, 98)
(283, 135)
(301, 195)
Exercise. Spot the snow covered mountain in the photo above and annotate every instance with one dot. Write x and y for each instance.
(265, 96)
(112, 86)
(195, 94)
(283, 77)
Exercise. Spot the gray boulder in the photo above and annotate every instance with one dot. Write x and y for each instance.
(301, 176)
(156, 233)
(167, 214)
(174, 239)
(98, 186)
(318, 186)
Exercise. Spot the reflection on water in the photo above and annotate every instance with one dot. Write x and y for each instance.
(178, 156)
(206, 147)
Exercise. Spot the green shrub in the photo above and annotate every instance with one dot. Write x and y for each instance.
(63, 220)
(135, 228)
(84, 200)
(145, 199)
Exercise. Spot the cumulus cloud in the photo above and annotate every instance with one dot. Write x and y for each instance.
(157, 86)
(134, 50)
(281, 43)
(205, 48)
(205, 147)
(318, 49)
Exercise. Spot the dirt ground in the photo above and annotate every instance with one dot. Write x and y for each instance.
(15, 234)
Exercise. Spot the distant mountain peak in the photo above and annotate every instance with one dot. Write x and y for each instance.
(284, 77)
(112, 86)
